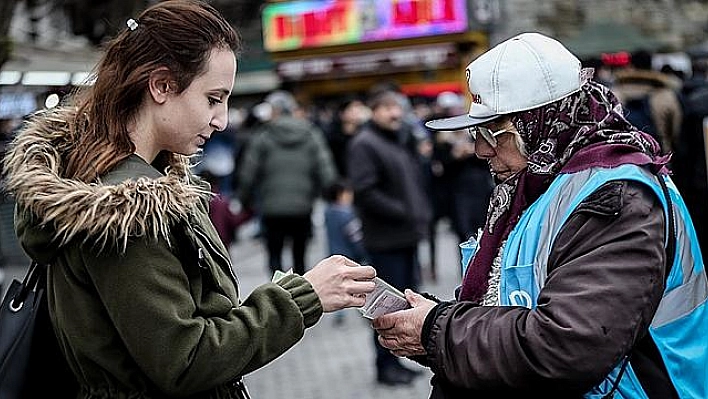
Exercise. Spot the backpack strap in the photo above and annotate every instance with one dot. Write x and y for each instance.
(671, 244)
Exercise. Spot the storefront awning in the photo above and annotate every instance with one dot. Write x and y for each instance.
(595, 39)
(42, 67)
(38, 66)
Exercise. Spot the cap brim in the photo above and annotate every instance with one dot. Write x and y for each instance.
(458, 122)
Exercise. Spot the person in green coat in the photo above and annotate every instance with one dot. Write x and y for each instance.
(141, 290)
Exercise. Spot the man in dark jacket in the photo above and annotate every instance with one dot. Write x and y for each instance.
(389, 196)
(691, 162)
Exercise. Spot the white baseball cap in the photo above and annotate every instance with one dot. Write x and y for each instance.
(521, 73)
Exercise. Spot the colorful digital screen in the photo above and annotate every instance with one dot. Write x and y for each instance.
(306, 24)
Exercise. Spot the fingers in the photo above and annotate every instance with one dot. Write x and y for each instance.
(400, 349)
(412, 297)
(388, 343)
(340, 282)
(346, 261)
(354, 270)
(343, 260)
(357, 300)
(357, 279)
(416, 299)
(384, 322)
(366, 272)
(360, 272)
(354, 293)
(407, 352)
(336, 260)
(360, 288)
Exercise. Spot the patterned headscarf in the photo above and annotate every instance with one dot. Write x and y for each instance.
(583, 130)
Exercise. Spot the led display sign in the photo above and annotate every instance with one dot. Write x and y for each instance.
(307, 24)
(370, 62)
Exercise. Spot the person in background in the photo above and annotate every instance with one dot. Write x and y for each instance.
(284, 169)
(225, 220)
(690, 163)
(462, 184)
(650, 99)
(415, 136)
(256, 116)
(216, 167)
(587, 280)
(439, 185)
(390, 199)
(141, 290)
(698, 79)
(343, 226)
(350, 115)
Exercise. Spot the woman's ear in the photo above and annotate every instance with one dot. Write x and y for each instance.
(160, 84)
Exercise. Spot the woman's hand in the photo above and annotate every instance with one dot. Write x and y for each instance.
(340, 282)
(400, 331)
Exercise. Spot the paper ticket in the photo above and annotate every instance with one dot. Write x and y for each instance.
(384, 299)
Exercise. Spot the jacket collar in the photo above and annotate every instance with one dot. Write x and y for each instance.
(144, 203)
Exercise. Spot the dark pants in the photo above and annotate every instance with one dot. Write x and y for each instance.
(277, 228)
(400, 269)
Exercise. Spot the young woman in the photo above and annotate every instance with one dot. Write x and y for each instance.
(141, 289)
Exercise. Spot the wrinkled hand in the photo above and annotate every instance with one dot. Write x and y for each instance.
(400, 331)
(340, 282)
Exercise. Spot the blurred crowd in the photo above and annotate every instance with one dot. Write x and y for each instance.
(456, 184)
(667, 103)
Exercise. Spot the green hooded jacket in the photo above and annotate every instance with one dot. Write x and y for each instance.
(285, 166)
(140, 288)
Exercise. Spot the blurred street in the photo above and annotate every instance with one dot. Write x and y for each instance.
(337, 361)
(333, 360)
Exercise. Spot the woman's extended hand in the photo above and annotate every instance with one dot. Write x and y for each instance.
(340, 282)
(400, 331)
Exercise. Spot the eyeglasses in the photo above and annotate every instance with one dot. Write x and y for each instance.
(487, 134)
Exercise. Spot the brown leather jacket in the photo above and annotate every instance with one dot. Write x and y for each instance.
(605, 280)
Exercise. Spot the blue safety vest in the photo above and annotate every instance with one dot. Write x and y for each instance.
(681, 320)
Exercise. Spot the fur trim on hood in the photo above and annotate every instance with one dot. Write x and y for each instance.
(106, 215)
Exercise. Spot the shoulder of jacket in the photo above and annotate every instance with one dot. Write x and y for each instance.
(606, 200)
(610, 198)
(130, 168)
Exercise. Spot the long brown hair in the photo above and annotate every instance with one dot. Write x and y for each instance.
(177, 34)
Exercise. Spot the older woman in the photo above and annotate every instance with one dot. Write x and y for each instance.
(587, 280)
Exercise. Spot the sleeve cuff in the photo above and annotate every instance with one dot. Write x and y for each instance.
(430, 330)
(304, 296)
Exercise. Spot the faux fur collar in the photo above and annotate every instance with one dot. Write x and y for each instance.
(106, 215)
